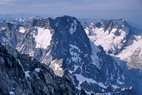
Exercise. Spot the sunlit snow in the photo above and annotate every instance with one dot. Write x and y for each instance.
(43, 38)
(11, 93)
(129, 50)
(22, 30)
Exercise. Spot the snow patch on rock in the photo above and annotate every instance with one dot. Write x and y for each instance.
(129, 50)
(83, 79)
(27, 73)
(11, 93)
(56, 66)
(74, 52)
(22, 30)
(73, 27)
(115, 86)
(38, 69)
(43, 38)
(102, 85)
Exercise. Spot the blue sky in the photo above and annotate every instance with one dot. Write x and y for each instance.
(130, 10)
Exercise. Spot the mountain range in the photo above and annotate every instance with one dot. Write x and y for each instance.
(96, 57)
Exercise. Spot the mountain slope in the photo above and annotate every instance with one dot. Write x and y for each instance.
(123, 42)
(117, 37)
(23, 75)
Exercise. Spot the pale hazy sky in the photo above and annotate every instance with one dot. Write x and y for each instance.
(130, 10)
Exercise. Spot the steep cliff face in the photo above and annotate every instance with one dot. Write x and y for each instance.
(63, 45)
(23, 75)
(87, 65)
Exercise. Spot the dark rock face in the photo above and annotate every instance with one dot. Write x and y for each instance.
(81, 67)
(70, 54)
(23, 75)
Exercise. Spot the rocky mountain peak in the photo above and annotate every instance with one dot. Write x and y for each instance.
(42, 22)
